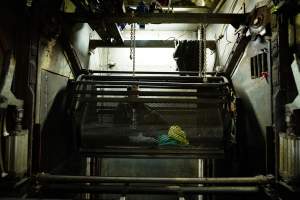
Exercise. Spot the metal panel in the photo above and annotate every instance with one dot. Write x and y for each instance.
(51, 84)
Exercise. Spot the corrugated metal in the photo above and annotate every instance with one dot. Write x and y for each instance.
(289, 153)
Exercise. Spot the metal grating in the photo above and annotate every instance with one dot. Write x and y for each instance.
(112, 122)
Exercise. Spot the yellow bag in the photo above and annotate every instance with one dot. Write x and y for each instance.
(176, 133)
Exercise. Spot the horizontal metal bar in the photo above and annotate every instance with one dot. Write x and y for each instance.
(160, 153)
(149, 72)
(158, 18)
(150, 100)
(179, 84)
(165, 112)
(149, 93)
(178, 87)
(158, 109)
(155, 78)
(167, 190)
(211, 44)
(182, 8)
(257, 180)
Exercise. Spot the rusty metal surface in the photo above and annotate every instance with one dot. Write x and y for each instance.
(52, 58)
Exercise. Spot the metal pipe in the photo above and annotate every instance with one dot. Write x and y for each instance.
(148, 72)
(167, 190)
(153, 78)
(219, 6)
(154, 87)
(257, 180)
(206, 102)
(152, 83)
(149, 93)
(162, 153)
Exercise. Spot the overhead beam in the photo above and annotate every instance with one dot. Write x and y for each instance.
(181, 9)
(115, 33)
(211, 44)
(217, 18)
(158, 18)
(108, 32)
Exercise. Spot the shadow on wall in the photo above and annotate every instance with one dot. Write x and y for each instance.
(59, 153)
(250, 138)
(255, 111)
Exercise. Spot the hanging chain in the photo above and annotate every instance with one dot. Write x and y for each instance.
(131, 41)
(202, 51)
(132, 45)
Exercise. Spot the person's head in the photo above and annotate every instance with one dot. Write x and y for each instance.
(133, 91)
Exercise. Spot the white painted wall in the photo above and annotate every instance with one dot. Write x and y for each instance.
(147, 59)
(214, 31)
(80, 38)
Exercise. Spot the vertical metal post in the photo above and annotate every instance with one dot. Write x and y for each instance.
(280, 55)
(200, 174)
(169, 5)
